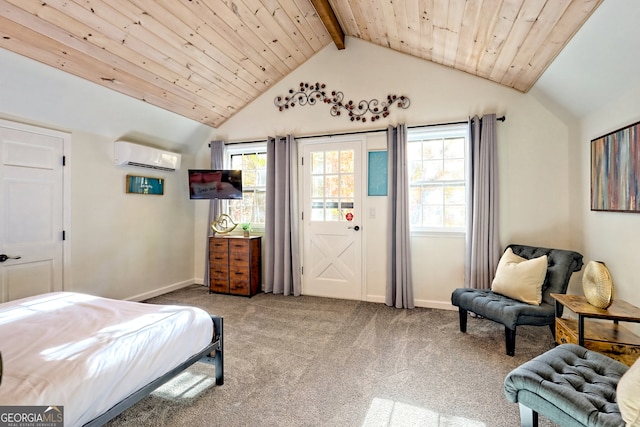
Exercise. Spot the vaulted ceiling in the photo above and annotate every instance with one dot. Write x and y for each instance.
(206, 59)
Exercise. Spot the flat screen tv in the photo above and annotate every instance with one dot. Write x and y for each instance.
(215, 184)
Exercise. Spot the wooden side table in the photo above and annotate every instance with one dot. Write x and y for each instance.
(596, 334)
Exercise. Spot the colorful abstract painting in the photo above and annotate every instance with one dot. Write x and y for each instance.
(615, 171)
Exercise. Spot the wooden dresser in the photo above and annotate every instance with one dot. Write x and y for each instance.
(235, 265)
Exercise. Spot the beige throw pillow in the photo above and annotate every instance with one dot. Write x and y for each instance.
(520, 278)
(628, 395)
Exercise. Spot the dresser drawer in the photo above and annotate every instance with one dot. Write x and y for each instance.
(219, 272)
(218, 245)
(239, 288)
(239, 282)
(239, 272)
(239, 245)
(218, 285)
(219, 257)
(238, 259)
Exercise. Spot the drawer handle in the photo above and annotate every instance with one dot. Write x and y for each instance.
(237, 273)
(218, 257)
(239, 259)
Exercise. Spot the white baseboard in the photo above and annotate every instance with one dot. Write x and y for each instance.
(375, 298)
(164, 290)
(441, 305)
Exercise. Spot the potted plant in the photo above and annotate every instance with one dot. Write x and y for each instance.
(246, 228)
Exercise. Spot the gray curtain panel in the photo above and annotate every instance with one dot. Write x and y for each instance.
(399, 284)
(282, 254)
(482, 248)
(217, 162)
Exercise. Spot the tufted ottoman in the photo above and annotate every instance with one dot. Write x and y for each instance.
(570, 385)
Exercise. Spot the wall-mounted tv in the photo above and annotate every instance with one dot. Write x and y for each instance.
(215, 184)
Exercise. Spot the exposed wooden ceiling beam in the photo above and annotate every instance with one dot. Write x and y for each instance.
(328, 17)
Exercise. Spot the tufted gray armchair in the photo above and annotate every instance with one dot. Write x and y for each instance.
(510, 312)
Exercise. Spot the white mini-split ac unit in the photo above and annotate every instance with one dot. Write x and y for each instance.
(130, 154)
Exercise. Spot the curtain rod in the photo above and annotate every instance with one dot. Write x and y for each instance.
(500, 119)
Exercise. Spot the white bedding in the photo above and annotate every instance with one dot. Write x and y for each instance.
(87, 353)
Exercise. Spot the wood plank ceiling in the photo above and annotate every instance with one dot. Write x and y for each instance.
(206, 59)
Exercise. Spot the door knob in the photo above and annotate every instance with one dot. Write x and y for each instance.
(357, 227)
(4, 257)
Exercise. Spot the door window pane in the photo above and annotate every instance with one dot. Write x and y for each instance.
(346, 161)
(317, 186)
(347, 186)
(332, 184)
(317, 162)
(332, 162)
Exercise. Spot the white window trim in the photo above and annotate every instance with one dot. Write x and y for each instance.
(248, 148)
(436, 132)
(433, 132)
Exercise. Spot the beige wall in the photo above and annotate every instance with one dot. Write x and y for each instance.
(611, 237)
(123, 245)
(533, 153)
(120, 245)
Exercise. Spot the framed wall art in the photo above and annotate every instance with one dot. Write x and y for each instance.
(145, 185)
(615, 171)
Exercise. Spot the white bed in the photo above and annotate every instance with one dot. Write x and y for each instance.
(88, 353)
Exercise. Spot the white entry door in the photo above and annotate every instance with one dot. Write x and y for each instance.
(332, 261)
(31, 211)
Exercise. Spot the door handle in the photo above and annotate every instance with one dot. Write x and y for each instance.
(4, 257)
(356, 228)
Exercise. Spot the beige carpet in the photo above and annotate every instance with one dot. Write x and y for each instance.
(308, 361)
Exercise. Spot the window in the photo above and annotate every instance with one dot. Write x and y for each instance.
(437, 171)
(251, 208)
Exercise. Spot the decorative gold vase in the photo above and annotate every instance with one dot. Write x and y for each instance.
(597, 284)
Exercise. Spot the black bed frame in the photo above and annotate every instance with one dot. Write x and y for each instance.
(204, 355)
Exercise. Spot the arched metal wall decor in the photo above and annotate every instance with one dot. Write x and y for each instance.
(309, 94)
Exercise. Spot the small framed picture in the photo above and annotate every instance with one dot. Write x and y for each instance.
(145, 185)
